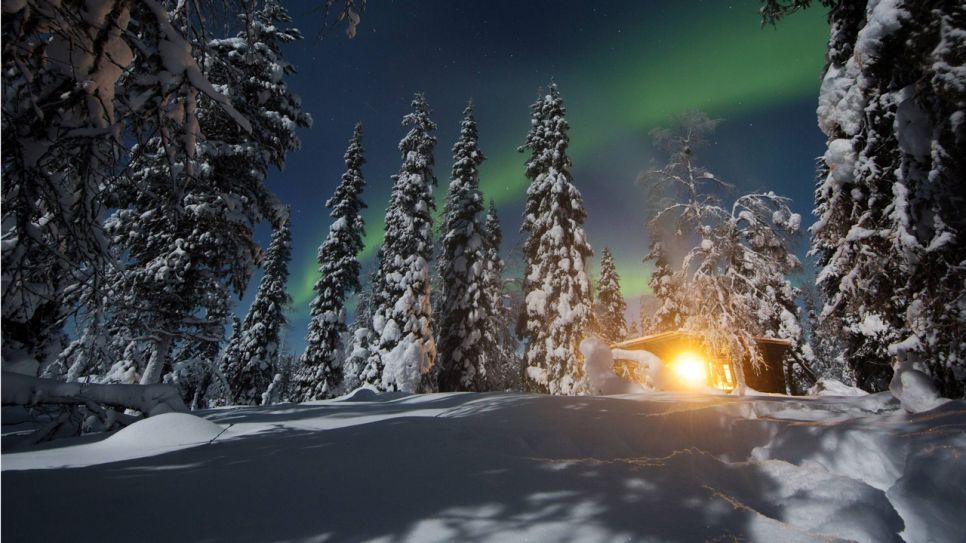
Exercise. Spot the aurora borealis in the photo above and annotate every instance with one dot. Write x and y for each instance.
(622, 67)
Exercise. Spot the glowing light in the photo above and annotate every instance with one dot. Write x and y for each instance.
(691, 368)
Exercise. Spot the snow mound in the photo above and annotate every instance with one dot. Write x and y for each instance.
(599, 368)
(915, 390)
(152, 436)
(365, 394)
(163, 431)
(831, 387)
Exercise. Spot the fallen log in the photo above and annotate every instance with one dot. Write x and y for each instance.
(28, 391)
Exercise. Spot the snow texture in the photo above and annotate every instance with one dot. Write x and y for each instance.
(497, 467)
(889, 236)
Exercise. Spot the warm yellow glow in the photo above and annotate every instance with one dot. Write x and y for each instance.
(690, 368)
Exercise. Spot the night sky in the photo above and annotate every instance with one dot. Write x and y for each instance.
(622, 68)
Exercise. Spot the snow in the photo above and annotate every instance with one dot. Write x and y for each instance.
(598, 364)
(497, 467)
(405, 364)
(915, 390)
(831, 387)
(148, 437)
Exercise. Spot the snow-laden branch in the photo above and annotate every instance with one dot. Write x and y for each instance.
(30, 391)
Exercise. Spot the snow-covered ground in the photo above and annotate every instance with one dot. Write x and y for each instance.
(499, 467)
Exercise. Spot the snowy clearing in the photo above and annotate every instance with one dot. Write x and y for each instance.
(489, 467)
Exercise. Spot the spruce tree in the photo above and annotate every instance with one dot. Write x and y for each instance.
(556, 286)
(79, 84)
(497, 343)
(461, 267)
(249, 362)
(669, 314)
(403, 349)
(890, 234)
(610, 307)
(194, 368)
(320, 372)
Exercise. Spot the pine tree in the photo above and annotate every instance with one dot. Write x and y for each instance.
(461, 268)
(252, 72)
(403, 350)
(610, 308)
(320, 372)
(195, 362)
(498, 349)
(556, 286)
(890, 234)
(248, 364)
(180, 259)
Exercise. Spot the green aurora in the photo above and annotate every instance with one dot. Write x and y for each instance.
(726, 64)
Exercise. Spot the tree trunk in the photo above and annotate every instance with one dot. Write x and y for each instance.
(159, 358)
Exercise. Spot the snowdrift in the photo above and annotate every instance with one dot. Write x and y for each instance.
(498, 467)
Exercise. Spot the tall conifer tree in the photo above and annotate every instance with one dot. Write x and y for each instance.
(320, 372)
(461, 269)
(249, 363)
(403, 349)
(556, 286)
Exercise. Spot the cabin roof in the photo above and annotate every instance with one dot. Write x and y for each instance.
(664, 337)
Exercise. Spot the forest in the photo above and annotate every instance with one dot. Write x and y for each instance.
(139, 138)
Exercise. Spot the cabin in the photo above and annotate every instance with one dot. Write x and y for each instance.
(683, 353)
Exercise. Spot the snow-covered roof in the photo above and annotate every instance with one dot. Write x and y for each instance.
(640, 342)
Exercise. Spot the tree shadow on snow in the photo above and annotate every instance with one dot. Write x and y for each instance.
(500, 469)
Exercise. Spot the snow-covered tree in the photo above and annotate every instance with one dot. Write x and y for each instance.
(461, 268)
(188, 245)
(177, 267)
(249, 363)
(497, 338)
(556, 287)
(731, 284)
(669, 313)
(80, 80)
(890, 234)
(609, 311)
(320, 372)
(194, 370)
(682, 189)
(359, 339)
(403, 349)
